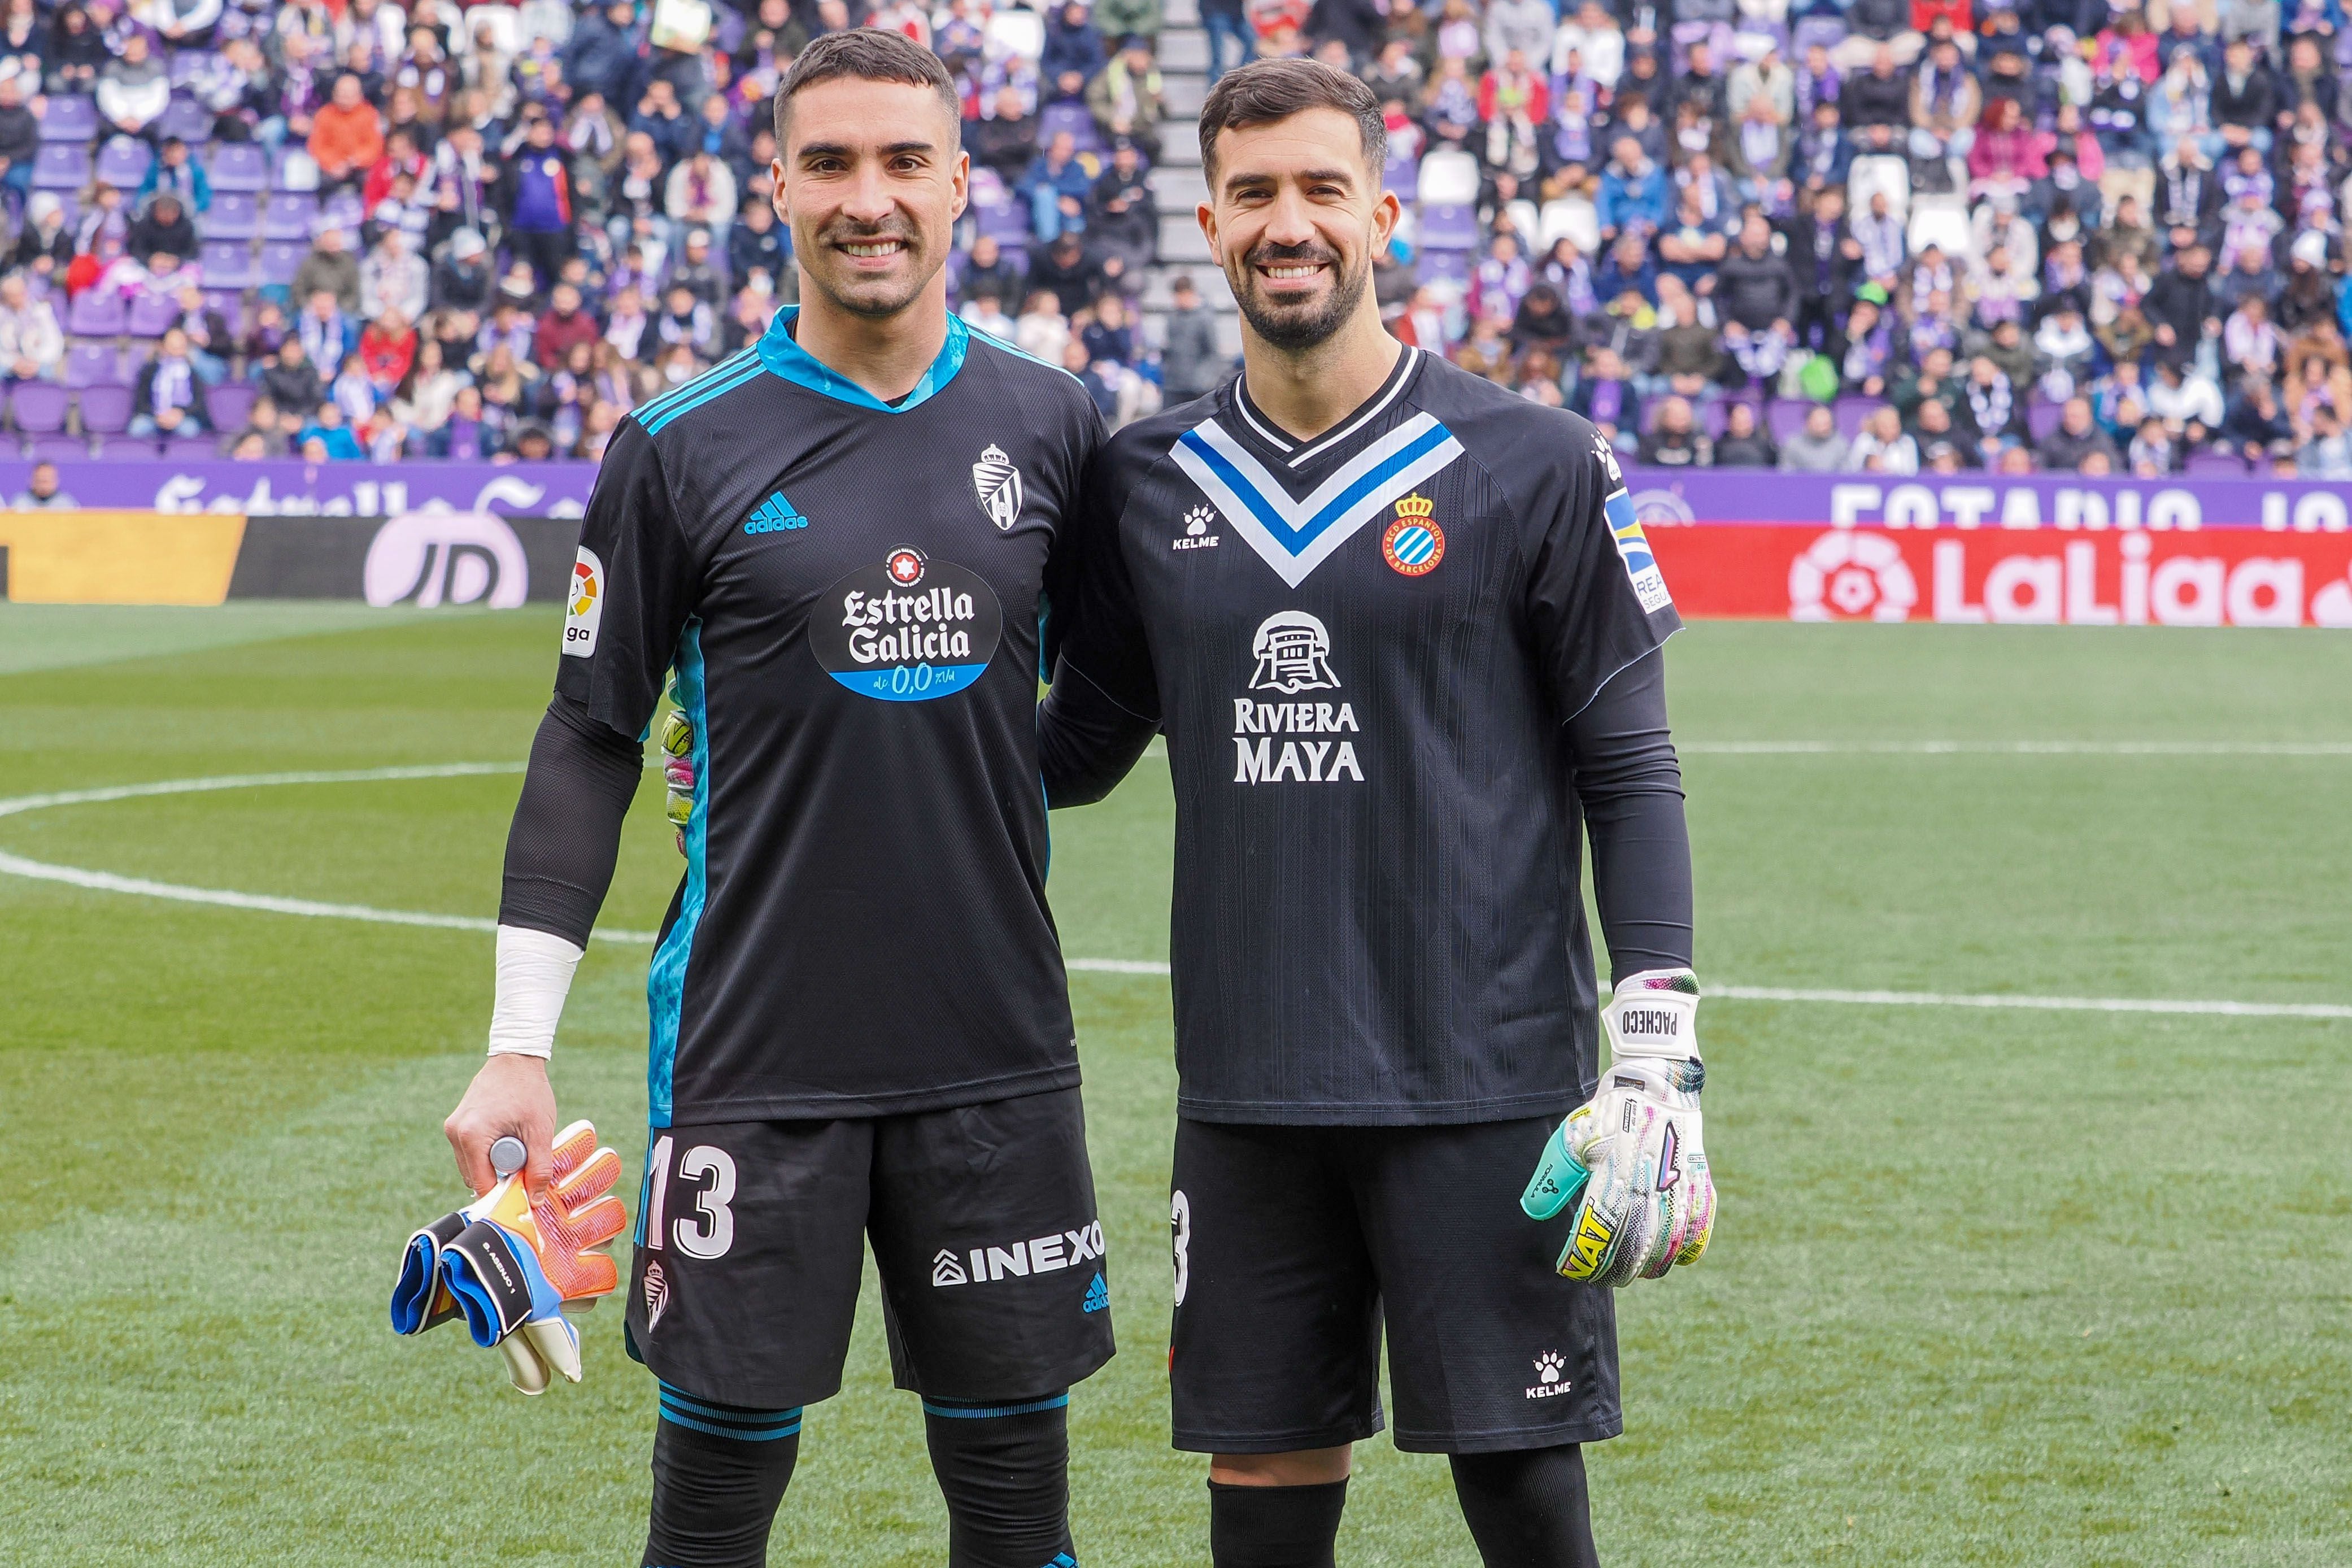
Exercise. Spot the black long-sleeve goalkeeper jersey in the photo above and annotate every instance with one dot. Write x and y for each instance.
(1368, 653)
(854, 598)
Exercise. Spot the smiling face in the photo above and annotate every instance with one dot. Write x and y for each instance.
(1294, 217)
(871, 179)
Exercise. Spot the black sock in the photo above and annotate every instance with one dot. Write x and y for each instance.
(1528, 1508)
(720, 1471)
(1274, 1527)
(1004, 1470)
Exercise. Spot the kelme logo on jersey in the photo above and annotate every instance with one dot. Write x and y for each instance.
(1634, 546)
(1196, 534)
(998, 483)
(908, 629)
(774, 515)
(1414, 543)
(1549, 1382)
(583, 604)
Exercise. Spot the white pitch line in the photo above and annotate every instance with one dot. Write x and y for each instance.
(109, 882)
(2017, 748)
(142, 886)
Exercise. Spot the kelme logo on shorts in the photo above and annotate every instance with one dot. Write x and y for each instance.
(907, 629)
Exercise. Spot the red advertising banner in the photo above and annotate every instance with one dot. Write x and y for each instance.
(2019, 577)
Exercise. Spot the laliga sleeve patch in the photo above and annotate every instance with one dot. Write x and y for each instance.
(909, 629)
(1633, 548)
(583, 604)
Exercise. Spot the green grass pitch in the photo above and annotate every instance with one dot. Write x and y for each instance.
(1990, 1286)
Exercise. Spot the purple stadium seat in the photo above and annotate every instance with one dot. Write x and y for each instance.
(71, 116)
(1402, 176)
(228, 264)
(61, 166)
(97, 313)
(2214, 464)
(280, 259)
(231, 306)
(1826, 31)
(105, 410)
(238, 166)
(1074, 118)
(343, 211)
(186, 119)
(288, 215)
(234, 216)
(988, 189)
(1007, 224)
(1442, 266)
(1448, 227)
(190, 449)
(152, 315)
(90, 364)
(187, 64)
(123, 162)
(122, 449)
(227, 404)
(1852, 411)
(2040, 418)
(39, 407)
(1785, 416)
(58, 448)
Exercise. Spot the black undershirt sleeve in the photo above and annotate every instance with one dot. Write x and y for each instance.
(1086, 741)
(567, 827)
(1630, 785)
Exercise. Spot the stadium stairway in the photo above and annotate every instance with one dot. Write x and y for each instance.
(1177, 183)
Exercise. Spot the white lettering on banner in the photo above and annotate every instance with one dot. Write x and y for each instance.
(2063, 589)
(2320, 512)
(1919, 505)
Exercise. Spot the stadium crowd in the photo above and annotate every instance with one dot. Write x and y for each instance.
(1900, 235)
(1819, 234)
(340, 229)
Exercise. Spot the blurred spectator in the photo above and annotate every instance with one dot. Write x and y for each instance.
(1675, 440)
(1744, 444)
(20, 138)
(1191, 364)
(329, 269)
(32, 347)
(168, 399)
(1056, 188)
(346, 136)
(41, 492)
(1818, 448)
(1126, 97)
(393, 278)
(133, 88)
(1071, 271)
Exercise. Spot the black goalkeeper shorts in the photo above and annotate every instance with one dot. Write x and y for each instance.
(751, 1246)
(1292, 1244)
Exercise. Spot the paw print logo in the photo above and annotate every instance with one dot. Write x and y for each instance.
(1197, 520)
(1547, 1367)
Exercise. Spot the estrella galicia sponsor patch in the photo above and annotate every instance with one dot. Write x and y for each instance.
(908, 628)
(1633, 548)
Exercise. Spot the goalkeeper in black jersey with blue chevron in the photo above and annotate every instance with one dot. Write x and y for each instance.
(1401, 631)
(842, 545)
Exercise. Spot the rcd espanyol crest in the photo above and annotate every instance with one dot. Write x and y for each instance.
(998, 483)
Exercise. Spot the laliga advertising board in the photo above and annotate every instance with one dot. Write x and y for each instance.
(1976, 550)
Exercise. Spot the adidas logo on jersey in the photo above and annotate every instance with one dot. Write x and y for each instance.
(774, 515)
(1039, 1255)
(1097, 1296)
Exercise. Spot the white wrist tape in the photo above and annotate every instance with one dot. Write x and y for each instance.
(1655, 1014)
(534, 976)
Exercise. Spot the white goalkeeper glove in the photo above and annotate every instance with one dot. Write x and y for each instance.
(1632, 1159)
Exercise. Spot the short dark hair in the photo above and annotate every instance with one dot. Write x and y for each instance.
(1264, 92)
(868, 54)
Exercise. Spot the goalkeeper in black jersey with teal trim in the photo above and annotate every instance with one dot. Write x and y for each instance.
(842, 545)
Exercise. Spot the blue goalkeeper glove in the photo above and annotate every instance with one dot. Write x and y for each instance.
(1633, 1158)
